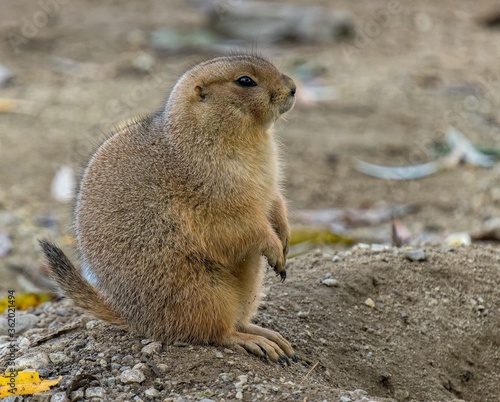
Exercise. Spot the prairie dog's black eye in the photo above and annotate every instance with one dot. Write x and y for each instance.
(246, 82)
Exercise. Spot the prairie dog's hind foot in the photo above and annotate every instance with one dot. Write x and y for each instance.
(260, 347)
(264, 343)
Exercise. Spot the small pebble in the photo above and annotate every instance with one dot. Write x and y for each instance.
(370, 303)
(13, 399)
(92, 324)
(95, 392)
(416, 255)
(330, 282)
(180, 344)
(59, 397)
(42, 396)
(303, 314)
(151, 348)
(58, 357)
(132, 376)
(162, 367)
(77, 395)
(5, 75)
(5, 244)
(140, 366)
(152, 393)
(219, 355)
(33, 362)
(243, 378)
(458, 239)
(401, 394)
(379, 247)
(62, 312)
(226, 377)
(63, 184)
(143, 62)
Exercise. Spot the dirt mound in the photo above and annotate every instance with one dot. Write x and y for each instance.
(368, 324)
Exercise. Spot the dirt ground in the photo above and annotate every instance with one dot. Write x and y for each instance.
(414, 69)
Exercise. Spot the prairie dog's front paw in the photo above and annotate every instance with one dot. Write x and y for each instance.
(285, 237)
(275, 256)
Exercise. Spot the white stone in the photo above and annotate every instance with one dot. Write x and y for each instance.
(132, 376)
(330, 282)
(62, 187)
(33, 362)
(152, 393)
(458, 239)
(59, 397)
(95, 392)
(416, 255)
(370, 303)
(151, 348)
(58, 357)
(77, 395)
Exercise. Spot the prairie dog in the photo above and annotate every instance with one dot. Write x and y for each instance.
(175, 211)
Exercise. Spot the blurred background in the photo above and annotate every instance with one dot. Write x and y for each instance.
(380, 81)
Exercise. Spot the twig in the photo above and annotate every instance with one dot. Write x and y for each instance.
(63, 330)
(309, 372)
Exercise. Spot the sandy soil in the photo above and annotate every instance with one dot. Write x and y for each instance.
(433, 334)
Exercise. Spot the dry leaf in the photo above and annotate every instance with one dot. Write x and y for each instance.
(18, 106)
(8, 105)
(24, 383)
(26, 300)
(317, 235)
(401, 235)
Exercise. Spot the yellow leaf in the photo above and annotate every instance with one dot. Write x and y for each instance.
(8, 105)
(317, 235)
(24, 383)
(25, 300)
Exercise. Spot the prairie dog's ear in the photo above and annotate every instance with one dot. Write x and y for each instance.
(200, 92)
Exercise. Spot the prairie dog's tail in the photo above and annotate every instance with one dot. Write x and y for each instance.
(76, 287)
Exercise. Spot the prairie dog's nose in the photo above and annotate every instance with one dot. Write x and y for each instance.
(290, 84)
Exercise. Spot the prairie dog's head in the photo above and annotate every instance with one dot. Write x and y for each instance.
(241, 89)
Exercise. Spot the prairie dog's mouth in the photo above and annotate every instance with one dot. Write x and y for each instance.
(287, 105)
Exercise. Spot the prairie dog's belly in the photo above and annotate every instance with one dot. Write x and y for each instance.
(131, 214)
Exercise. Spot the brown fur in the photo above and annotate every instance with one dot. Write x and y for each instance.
(175, 211)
